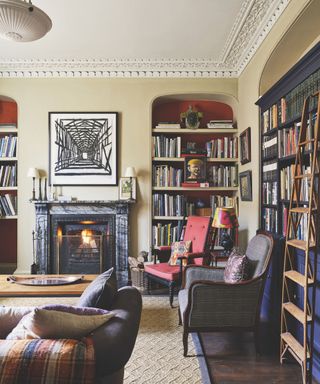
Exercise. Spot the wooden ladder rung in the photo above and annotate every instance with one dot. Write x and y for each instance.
(301, 244)
(305, 142)
(303, 176)
(302, 210)
(295, 347)
(298, 278)
(296, 312)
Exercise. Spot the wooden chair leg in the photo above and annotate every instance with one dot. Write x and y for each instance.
(256, 341)
(171, 292)
(179, 315)
(185, 342)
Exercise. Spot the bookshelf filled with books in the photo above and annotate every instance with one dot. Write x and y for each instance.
(280, 117)
(8, 181)
(193, 170)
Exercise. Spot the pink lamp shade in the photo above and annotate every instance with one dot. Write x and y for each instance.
(225, 217)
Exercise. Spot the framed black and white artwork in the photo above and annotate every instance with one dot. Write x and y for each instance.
(83, 148)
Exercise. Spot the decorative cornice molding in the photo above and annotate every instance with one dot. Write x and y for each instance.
(250, 28)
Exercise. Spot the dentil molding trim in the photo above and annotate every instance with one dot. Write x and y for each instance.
(253, 23)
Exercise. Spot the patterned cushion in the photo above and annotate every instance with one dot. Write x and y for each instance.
(237, 268)
(59, 324)
(101, 292)
(179, 248)
(47, 361)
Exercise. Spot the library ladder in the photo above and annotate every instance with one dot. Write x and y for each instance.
(303, 214)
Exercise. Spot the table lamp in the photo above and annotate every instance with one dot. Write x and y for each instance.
(130, 172)
(225, 218)
(34, 173)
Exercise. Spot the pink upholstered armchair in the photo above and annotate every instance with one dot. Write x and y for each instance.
(198, 231)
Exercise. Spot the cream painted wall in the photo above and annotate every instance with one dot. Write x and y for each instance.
(132, 98)
(248, 88)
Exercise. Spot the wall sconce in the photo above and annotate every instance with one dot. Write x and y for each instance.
(34, 173)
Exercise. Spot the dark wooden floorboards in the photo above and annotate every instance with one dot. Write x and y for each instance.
(231, 358)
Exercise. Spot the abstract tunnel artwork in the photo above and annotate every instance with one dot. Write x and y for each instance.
(83, 148)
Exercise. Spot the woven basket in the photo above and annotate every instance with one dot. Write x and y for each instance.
(137, 278)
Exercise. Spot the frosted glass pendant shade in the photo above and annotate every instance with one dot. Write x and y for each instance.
(22, 21)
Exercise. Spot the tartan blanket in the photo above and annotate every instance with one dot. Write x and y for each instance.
(47, 361)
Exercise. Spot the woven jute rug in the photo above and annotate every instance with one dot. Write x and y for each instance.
(158, 353)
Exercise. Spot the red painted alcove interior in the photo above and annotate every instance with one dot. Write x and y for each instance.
(8, 228)
(169, 111)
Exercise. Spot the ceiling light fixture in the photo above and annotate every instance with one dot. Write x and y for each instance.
(21, 21)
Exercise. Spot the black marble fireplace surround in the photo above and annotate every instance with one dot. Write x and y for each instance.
(110, 217)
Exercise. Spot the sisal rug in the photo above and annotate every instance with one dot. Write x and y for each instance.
(158, 353)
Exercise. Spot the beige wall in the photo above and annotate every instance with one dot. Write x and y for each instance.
(248, 88)
(132, 98)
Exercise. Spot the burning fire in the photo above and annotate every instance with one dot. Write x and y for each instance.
(86, 235)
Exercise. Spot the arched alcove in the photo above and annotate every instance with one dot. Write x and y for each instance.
(174, 147)
(8, 184)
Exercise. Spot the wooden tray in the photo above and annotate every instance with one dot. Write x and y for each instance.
(45, 280)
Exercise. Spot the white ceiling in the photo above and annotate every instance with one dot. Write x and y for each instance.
(145, 38)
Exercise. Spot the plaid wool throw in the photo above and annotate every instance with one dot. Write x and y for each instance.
(47, 361)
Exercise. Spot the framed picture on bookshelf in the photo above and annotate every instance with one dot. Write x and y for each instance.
(245, 146)
(245, 185)
(128, 188)
(83, 148)
(195, 169)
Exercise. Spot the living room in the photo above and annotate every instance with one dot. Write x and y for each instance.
(45, 82)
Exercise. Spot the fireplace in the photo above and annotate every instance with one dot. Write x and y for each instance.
(82, 237)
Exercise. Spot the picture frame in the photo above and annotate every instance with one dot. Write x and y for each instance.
(245, 181)
(245, 146)
(125, 188)
(83, 148)
(195, 169)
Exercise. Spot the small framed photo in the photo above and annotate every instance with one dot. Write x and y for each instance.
(127, 188)
(245, 185)
(195, 169)
(245, 146)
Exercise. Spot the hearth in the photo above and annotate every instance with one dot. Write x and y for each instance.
(82, 237)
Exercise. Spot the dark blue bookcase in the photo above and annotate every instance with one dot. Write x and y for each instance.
(281, 108)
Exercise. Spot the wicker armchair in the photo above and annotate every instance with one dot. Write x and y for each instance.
(207, 303)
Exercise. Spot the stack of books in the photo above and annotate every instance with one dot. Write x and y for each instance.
(167, 124)
(218, 124)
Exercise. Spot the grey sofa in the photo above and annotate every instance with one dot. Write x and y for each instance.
(207, 303)
(113, 342)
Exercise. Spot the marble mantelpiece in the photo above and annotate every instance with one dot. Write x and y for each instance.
(49, 213)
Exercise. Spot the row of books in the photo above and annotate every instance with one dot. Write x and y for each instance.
(164, 204)
(163, 146)
(269, 192)
(8, 175)
(223, 201)
(8, 145)
(222, 148)
(288, 140)
(223, 175)
(166, 176)
(290, 106)
(166, 234)
(286, 181)
(8, 205)
(269, 146)
(269, 170)
(270, 219)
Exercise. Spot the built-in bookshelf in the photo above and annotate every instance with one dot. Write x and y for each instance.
(280, 117)
(8, 182)
(174, 197)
